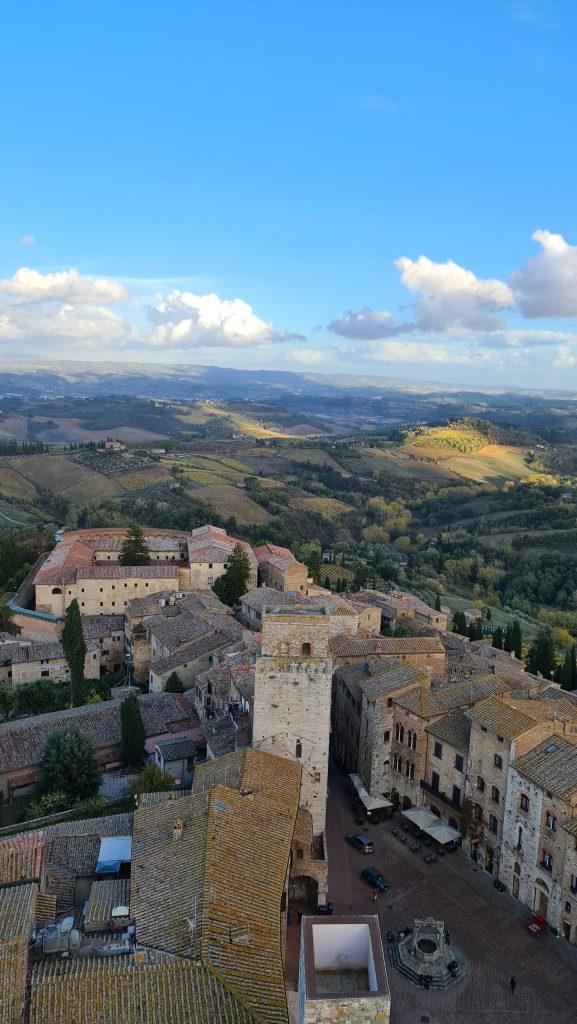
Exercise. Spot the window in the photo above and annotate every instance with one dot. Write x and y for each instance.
(410, 771)
(389, 702)
(210, 565)
(495, 795)
(298, 749)
(500, 738)
(520, 839)
(45, 672)
(438, 751)
(573, 883)
(211, 580)
(524, 802)
(456, 795)
(498, 761)
(386, 736)
(397, 763)
(399, 732)
(547, 861)
(306, 650)
(386, 767)
(435, 781)
(480, 783)
(477, 812)
(551, 821)
(412, 739)
(493, 824)
(459, 762)
(300, 853)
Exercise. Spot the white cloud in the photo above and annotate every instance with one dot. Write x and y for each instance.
(382, 104)
(305, 356)
(63, 322)
(185, 320)
(368, 324)
(63, 285)
(452, 297)
(417, 351)
(565, 358)
(27, 240)
(547, 284)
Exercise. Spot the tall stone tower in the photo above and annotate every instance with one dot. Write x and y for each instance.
(292, 697)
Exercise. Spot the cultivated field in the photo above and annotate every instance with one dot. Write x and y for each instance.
(231, 501)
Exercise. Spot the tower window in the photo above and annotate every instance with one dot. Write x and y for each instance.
(306, 649)
(298, 749)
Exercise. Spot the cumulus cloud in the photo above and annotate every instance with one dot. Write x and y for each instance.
(64, 322)
(185, 320)
(408, 352)
(565, 358)
(27, 240)
(305, 356)
(63, 285)
(547, 284)
(452, 297)
(367, 324)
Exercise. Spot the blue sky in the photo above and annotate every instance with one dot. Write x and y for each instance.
(333, 186)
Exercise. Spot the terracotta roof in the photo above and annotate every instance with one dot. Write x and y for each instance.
(104, 897)
(145, 987)
(552, 766)
(214, 893)
(354, 646)
(22, 741)
(500, 717)
(454, 729)
(21, 857)
(430, 703)
(17, 906)
(220, 733)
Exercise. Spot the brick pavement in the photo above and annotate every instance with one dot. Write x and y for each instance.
(487, 927)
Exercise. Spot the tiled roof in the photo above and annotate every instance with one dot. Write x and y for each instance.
(202, 647)
(22, 741)
(503, 719)
(430, 703)
(261, 597)
(174, 630)
(377, 678)
(552, 766)
(126, 572)
(22, 652)
(176, 749)
(571, 827)
(220, 733)
(148, 605)
(104, 897)
(97, 627)
(17, 907)
(21, 857)
(454, 729)
(145, 988)
(214, 894)
(356, 646)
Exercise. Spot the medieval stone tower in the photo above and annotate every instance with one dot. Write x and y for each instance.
(292, 697)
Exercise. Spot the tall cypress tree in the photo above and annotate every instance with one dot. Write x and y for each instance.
(133, 733)
(516, 639)
(438, 603)
(568, 674)
(498, 638)
(75, 650)
(232, 584)
(541, 657)
(135, 549)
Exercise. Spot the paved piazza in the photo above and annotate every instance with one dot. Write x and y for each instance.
(485, 925)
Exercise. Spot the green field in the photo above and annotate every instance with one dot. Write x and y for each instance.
(491, 464)
(227, 501)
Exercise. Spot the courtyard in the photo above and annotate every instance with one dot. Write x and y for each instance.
(485, 925)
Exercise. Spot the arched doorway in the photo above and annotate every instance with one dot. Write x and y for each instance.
(516, 880)
(407, 803)
(489, 859)
(541, 898)
(303, 893)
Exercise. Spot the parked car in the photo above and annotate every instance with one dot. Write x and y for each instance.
(537, 926)
(361, 842)
(374, 878)
(430, 858)
(324, 908)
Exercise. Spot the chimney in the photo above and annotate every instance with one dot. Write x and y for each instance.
(177, 830)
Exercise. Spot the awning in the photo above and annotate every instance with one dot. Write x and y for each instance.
(430, 823)
(114, 851)
(372, 803)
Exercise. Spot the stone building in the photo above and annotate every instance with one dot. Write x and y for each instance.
(446, 760)
(104, 639)
(279, 569)
(414, 712)
(400, 604)
(500, 733)
(538, 848)
(362, 718)
(422, 652)
(24, 661)
(342, 972)
(292, 698)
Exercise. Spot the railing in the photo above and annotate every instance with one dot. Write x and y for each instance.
(443, 797)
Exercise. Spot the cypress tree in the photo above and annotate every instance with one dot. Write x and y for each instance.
(232, 584)
(134, 549)
(541, 657)
(498, 638)
(438, 603)
(568, 674)
(133, 733)
(75, 650)
(516, 639)
(174, 684)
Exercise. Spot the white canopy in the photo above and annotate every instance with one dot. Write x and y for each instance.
(372, 803)
(432, 825)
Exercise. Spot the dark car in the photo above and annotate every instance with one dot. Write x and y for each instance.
(324, 908)
(374, 878)
(430, 858)
(360, 842)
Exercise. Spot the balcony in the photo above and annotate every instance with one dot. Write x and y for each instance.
(438, 793)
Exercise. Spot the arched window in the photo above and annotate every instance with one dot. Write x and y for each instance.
(300, 853)
(306, 650)
(517, 868)
(298, 749)
(520, 839)
(56, 590)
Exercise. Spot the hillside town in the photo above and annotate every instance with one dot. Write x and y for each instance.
(204, 880)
